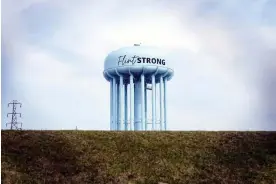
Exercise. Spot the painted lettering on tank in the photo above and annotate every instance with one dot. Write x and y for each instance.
(124, 60)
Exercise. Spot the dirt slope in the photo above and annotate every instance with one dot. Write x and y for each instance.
(138, 157)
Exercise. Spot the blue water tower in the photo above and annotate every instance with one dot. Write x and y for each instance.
(135, 74)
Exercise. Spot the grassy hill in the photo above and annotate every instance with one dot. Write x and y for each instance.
(138, 157)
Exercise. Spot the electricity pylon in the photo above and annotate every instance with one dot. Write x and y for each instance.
(14, 124)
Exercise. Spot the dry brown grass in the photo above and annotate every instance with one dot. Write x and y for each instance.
(138, 157)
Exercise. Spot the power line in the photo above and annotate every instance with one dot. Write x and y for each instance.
(14, 124)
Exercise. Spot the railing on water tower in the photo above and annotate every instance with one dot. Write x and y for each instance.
(127, 126)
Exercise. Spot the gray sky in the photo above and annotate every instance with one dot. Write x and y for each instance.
(223, 53)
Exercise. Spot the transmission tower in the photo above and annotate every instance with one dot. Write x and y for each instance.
(14, 124)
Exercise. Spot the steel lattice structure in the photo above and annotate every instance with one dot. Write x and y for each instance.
(14, 124)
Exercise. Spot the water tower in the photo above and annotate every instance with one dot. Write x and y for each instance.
(136, 74)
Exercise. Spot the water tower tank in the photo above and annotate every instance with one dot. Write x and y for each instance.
(132, 73)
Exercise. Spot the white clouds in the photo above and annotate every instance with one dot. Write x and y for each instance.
(152, 29)
(40, 68)
(52, 87)
(269, 36)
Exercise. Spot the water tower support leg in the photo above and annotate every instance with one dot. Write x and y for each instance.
(126, 108)
(146, 116)
(111, 105)
(137, 105)
(165, 103)
(114, 104)
(131, 103)
(142, 102)
(122, 103)
(161, 102)
(118, 105)
(153, 102)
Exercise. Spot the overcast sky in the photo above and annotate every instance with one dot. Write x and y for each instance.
(223, 54)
